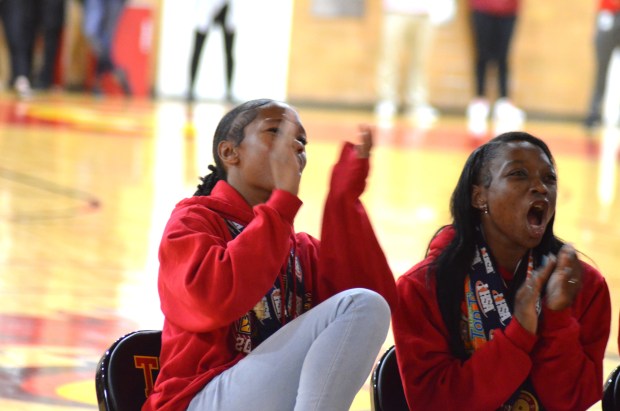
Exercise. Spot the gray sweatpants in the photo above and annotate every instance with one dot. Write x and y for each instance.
(319, 361)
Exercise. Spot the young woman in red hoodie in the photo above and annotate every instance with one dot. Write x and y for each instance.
(258, 317)
(501, 313)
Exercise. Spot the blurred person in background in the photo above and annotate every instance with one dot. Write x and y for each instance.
(208, 14)
(50, 18)
(20, 38)
(407, 30)
(23, 21)
(607, 38)
(493, 26)
(100, 22)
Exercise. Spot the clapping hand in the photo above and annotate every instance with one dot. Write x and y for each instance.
(565, 281)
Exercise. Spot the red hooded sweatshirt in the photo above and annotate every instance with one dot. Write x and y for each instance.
(564, 360)
(208, 280)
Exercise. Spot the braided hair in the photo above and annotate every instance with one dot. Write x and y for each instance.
(231, 127)
(451, 265)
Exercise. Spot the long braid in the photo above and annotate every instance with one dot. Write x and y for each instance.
(208, 182)
(231, 127)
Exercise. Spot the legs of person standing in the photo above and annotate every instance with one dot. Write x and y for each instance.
(200, 36)
(506, 115)
(115, 10)
(199, 39)
(419, 39)
(319, 361)
(100, 23)
(17, 18)
(228, 32)
(94, 18)
(52, 13)
(393, 32)
(504, 30)
(229, 43)
(606, 40)
(478, 108)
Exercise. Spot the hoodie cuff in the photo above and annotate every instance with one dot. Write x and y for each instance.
(285, 203)
(519, 336)
(554, 320)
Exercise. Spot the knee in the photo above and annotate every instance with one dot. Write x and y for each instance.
(371, 304)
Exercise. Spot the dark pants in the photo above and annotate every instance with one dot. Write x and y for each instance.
(492, 35)
(23, 19)
(50, 17)
(16, 16)
(199, 40)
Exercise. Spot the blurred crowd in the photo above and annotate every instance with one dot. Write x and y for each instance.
(33, 32)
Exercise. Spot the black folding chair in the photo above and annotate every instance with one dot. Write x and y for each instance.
(611, 391)
(127, 371)
(386, 393)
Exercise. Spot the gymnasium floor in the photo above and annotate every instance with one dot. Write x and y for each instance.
(87, 184)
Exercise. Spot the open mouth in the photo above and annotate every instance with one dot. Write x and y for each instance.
(536, 214)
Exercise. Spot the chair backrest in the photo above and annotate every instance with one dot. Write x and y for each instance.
(127, 371)
(611, 391)
(386, 393)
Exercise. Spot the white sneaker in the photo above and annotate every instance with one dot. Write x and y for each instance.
(22, 86)
(507, 116)
(385, 109)
(423, 115)
(477, 115)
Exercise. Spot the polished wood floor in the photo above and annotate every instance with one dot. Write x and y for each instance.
(87, 184)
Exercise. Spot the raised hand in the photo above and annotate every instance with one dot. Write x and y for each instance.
(366, 141)
(565, 281)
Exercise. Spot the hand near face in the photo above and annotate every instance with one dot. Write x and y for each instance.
(366, 141)
(529, 292)
(285, 158)
(565, 281)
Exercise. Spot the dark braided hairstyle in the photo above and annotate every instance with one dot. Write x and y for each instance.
(452, 264)
(231, 127)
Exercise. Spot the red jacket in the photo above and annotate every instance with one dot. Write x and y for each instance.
(496, 7)
(208, 281)
(564, 361)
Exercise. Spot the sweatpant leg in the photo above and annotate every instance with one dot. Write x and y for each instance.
(319, 361)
